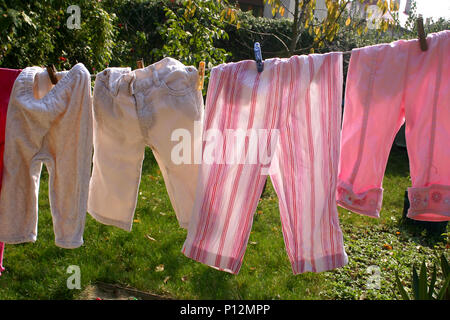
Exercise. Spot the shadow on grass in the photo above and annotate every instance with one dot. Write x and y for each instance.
(426, 234)
(421, 232)
(398, 162)
(212, 284)
(149, 164)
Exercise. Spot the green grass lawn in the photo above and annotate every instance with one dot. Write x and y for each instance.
(38, 271)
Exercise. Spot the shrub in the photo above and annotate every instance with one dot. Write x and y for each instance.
(35, 33)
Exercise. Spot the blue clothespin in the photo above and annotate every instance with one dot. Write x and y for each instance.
(258, 57)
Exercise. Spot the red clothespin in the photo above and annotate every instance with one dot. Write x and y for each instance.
(51, 70)
(201, 75)
(421, 33)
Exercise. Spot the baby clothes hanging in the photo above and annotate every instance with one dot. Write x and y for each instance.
(7, 78)
(387, 85)
(52, 125)
(299, 100)
(134, 109)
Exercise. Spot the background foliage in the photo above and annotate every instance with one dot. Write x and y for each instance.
(35, 33)
(119, 32)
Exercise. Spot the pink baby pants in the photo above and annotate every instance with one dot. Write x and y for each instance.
(300, 98)
(387, 85)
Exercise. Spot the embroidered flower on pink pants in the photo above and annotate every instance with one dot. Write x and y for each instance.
(436, 196)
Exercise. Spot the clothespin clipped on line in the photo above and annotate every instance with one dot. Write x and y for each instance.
(51, 70)
(201, 75)
(421, 33)
(140, 63)
(258, 57)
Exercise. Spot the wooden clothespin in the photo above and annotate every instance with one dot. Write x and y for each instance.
(51, 70)
(421, 33)
(201, 75)
(258, 57)
(140, 63)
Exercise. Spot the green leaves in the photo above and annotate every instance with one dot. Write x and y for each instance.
(189, 34)
(400, 287)
(325, 28)
(443, 293)
(35, 33)
(420, 287)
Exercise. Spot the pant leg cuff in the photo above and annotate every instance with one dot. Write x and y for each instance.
(321, 264)
(69, 244)
(18, 239)
(431, 203)
(212, 259)
(367, 203)
(127, 226)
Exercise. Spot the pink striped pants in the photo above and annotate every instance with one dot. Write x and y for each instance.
(300, 98)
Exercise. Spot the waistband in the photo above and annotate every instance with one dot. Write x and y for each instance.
(25, 81)
(270, 63)
(432, 39)
(152, 76)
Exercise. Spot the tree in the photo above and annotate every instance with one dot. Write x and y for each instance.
(324, 30)
(192, 27)
(36, 33)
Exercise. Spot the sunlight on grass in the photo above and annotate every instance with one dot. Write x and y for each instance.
(149, 259)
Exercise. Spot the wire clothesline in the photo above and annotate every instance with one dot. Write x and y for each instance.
(420, 30)
(209, 69)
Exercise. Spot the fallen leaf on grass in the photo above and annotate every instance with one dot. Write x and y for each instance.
(253, 242)
(159, 268)
(259, 212)
(136, 220)
(150, 238)
(387, 246)
(162, 213)
(184, 278)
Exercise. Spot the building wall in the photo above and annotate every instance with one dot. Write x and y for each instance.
(356, 9)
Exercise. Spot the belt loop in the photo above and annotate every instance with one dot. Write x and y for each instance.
(155, 75)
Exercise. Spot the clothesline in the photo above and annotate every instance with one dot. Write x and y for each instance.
(209, 69)
(219, 208)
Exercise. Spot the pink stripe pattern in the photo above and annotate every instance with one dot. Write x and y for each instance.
(299, 98)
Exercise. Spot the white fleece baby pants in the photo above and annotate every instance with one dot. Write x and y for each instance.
(134, 109)
(52, 125)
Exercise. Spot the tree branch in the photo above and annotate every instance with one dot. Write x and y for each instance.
(326, 34)
(262, 34)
